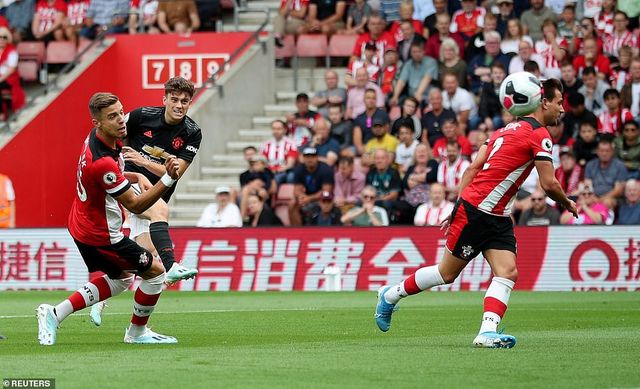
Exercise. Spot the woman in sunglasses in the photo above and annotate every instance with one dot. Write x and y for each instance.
(13, 97)
(590, 210)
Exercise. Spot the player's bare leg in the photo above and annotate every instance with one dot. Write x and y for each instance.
(505, 275)
(424, 278)
(94, 291)
(145, 299)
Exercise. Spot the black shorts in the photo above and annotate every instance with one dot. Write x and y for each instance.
(472, 231)
(112, 260)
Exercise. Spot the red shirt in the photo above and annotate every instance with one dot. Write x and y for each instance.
(48, 13)
(440, 148)
(511, 153)
(467, 23)
(296, 5)
(96, 216)
(384, 40)
(611, 123)
(613, 42)
(432, 49)
(388, 75)
(602, 65)
(77, 10)
(277, 153)
(396, 32)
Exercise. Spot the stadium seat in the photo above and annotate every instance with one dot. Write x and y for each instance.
(60, 52)
(28, 70)
(312, 45)
(285, 194)
(34, 51)
(282, 212)
(289, 49)
(341, 45)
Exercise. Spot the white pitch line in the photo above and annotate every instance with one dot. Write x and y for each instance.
(182, 312)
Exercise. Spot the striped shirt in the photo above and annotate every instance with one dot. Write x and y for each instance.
(614, 41)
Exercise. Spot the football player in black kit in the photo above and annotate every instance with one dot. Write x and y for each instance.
(152, 134)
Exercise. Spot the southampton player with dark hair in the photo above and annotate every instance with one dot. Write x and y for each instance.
(153, 133)
(481, 223)
(95, 223)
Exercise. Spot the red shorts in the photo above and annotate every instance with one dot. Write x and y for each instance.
(472, 231)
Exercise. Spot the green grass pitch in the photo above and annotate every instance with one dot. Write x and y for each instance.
(322, 340)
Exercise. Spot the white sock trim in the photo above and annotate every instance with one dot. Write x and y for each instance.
(153, 285)
(118, 286)
(428, 277)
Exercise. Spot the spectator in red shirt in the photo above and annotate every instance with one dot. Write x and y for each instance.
(10, 88)
(450, 132)
(48, 20)
(406, 15)
(388, 71)
(588, 30)
(469, 20)
(442, 26)
(76, 12)
(612, 119)
(377, 35)
(591, 57)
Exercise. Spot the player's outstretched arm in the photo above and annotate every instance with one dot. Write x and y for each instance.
(139, 204)
(552, 187)
(473, 169)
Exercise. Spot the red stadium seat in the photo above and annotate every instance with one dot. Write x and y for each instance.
(60, 52)
(34, 51)
(285, 194)
(282, 212)
(341, 45)
(312, 45)
(28, 70)
(289, 49)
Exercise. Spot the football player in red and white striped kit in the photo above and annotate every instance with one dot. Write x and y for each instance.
(481, 222)
(95, 223)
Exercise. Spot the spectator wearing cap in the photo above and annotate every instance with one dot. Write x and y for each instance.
(328, 148)
(593, 90)
(540, 213)
(606, 174)
(504, 16)
(373, 70)
(629, 212)
(332, 95)
(381, 140)
(301, 122)
(368, 213)
(433, 118)
(356, 96)
(257, 179)
(222, 213)
(311, 178)
(442, 26)
(325, 16)
(461, 102)
(569, 174)
(576, 114)
(377, 34)
(416, 75)
(281, 153)
(325, 213)
(590, 209)
(628, 148)
(524, 55)
(363, 123)
(259, 214)
(533, 18)
(349, 182)
(357, 16)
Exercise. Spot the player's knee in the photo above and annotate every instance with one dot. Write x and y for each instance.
(449, 277)
(508, 273)
(156, 269)
(159, 211)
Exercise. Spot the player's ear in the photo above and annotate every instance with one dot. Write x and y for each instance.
(95, 123)
(164, 100)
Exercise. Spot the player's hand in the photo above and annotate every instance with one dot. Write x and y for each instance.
(172, 166)
(144, 183)
(571, 207)
(130, 155)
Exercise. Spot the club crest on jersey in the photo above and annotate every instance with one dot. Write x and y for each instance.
(109, 178)
(177, 143)
(467, 251)
(144, 260)
(547, 145)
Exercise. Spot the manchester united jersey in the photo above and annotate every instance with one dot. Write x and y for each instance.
(96, 216)
(147, 130)
(510, 158)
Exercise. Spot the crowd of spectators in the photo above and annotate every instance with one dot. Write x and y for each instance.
(388, 144)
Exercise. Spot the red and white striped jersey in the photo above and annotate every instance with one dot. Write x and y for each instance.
(76, 11)
(96, 216)
(467, 23)
(604, 23)
(48, 13)
(510, 158)
(372, 69)
(450, 174)
(619, 77)
(428, 215)
(552, 67)
(277, 152)
(611, 123)
(614, 41)
(295, 5)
